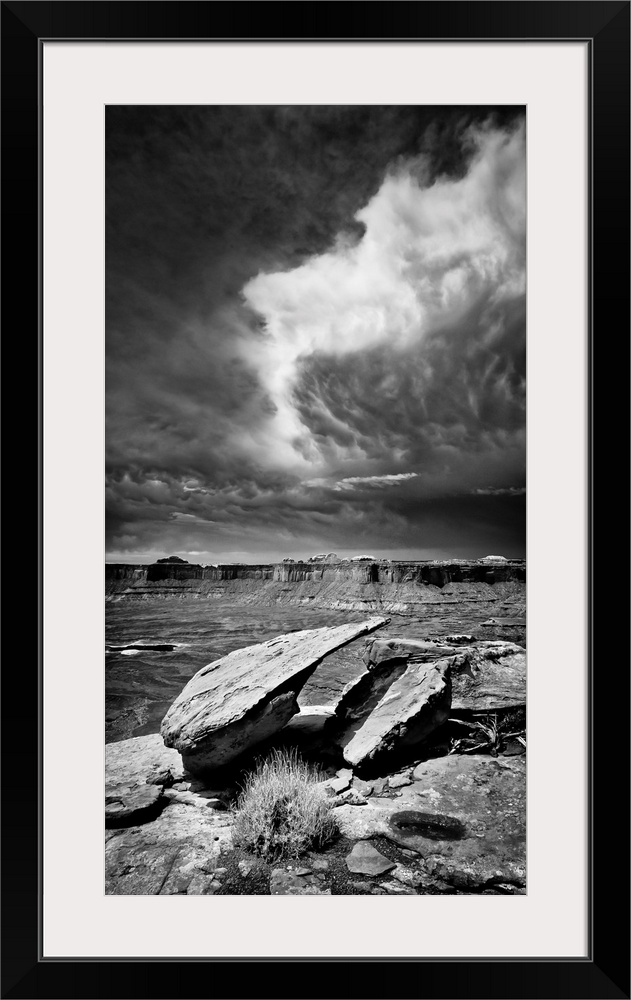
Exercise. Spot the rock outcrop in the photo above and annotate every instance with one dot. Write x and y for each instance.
(136, 772)
(455, 824)
(177, 853)
(245, 697)
(465, 816)
(487, 677)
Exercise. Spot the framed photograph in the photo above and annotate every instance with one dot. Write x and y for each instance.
(304, 298)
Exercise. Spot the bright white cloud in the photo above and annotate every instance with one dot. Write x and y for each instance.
(379, 482)
(429, 252)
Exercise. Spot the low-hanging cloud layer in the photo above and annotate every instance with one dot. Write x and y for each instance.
(315, 332)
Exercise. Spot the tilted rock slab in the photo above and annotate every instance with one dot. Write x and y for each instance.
(412, 708)
(245, 697)
(487, 677)
(386, 660)
(465, 816)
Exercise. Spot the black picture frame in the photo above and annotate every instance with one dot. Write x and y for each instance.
(605, 972)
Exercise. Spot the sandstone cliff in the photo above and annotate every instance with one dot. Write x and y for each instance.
(382, 585)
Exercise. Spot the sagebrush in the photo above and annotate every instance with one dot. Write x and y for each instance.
(282, 810)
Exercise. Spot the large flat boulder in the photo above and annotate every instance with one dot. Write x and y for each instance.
(413, 706)
(245, 697)
(465, 816)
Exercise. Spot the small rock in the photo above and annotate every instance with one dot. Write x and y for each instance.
(351, 798)
(406, 875)
(346, 774)
(182, 786)
(333, 786)
(399, 781)
(362, 886)
(364, 788)
(164, 778)
(286, 883)
(364, 859)
(409, 854)
(245, 867)
(200, 884)
(489, 623)
(180, 887)
(220, 871)
(320, 864)
(216, 804)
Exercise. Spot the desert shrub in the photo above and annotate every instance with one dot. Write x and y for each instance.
(490, 733)
(281, 810)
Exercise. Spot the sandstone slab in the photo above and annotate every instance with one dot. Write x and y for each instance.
(178, 850)
(142, 760)
(136, 772)
(365, 859)
(412, 708)
(125, 805)
(242, 699)
(465, 817)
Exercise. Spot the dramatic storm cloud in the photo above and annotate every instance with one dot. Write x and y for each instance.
(315, 332)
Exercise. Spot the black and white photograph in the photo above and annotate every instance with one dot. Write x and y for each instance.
(315, 471)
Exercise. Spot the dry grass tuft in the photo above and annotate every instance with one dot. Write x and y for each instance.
(281, 810)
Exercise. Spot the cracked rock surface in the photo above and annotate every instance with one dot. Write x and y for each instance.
(465, 816)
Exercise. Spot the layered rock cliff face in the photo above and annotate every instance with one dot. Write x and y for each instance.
(382, 585)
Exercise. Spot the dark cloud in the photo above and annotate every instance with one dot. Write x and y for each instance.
(290, 327)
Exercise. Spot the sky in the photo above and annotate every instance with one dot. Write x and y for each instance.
(315, 332)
